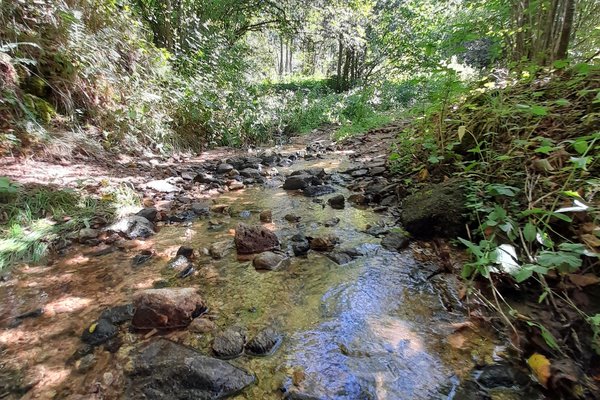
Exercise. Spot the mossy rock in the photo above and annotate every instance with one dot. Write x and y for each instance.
(437, 210)
(40, 108)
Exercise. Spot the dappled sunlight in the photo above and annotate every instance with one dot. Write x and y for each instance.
(47, 380)
(78, 259)
(66, 304)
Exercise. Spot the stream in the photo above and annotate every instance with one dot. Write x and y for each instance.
(375, 328)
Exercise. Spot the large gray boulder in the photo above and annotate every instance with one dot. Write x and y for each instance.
(168, 371)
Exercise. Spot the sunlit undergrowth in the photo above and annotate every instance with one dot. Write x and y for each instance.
(34, 219)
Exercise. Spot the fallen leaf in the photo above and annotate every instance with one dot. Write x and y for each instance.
(540, 366)
(423, 175)
(591, 240)
(584, 280)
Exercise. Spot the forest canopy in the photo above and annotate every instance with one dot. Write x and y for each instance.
(177, 74)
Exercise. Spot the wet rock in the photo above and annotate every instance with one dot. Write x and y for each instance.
(142, 258)
(28, 314)
(200, 208)
(316, 191)
(331, 222)
(395, 241)
(187, 175)
(186, 252)
(340, 257)
(377, 230)
(250, 173)
(85, 363)
(99, 332)
(296, 182)
(235, 185)
(254, 239)
(162, 186)
(188, 271)
(202, 325)
(300, 245)
(326, 243)
(316, 172)
(292, 218)
(376, 171)
(179, 263)
(501, 375)
(228, 344)
(205, 178)
(224, 168)
(359, 199)
(337, 202)
(88, 234)
(264, 343)
(220, 209)
(149, 213)
(118, 314)
(218, 250)
(185, 216)
(266, 216)
(437, 210)
(270, 261)
(359, 172)
(133, 227)
(79, 353)
(389, 200)
(166, 370)
(166, 308)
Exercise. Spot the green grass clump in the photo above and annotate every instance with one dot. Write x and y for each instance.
(32, 219)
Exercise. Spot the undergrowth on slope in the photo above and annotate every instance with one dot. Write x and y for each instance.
(526, 145)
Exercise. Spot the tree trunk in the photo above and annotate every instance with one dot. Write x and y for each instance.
(565, 32)
(339, 64)
(290, 61)
(287, 58)
(280, 56)
(549, 31)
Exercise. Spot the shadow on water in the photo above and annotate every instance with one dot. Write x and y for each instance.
(371, 329)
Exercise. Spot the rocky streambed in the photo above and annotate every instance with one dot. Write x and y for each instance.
(268, 276)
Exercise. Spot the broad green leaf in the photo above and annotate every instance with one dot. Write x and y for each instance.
(529, 232)
(581, 162)
(580, 146)
(461, 132)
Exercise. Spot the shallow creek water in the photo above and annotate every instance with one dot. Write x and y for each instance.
(372, 329)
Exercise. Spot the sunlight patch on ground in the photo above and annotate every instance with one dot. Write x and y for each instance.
(66, 304)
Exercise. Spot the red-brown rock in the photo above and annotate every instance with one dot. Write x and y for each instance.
(166, 308)
(254, 239)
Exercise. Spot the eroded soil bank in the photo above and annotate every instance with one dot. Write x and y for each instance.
(345, 306)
